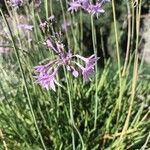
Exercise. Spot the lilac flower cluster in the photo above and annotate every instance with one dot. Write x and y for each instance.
(16, 3)
(94, 9)
(46, 74)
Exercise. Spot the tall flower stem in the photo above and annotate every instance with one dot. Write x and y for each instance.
(81, 30)
(71, 116)
(121, 88)
(51, 7)
(133, 23)
(135, 70)
(46, 8)
(64, 18)
(96, 71)
(24, 80)
(128, 40)
(118, 104)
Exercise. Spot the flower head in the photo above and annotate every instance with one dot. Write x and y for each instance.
(51, 44)
(45, 74)
(74, 5)
(47, 81)
(88, 68)
(87, 72)
(95, 9)
(88, 6)
(16, 3)
(85, 4)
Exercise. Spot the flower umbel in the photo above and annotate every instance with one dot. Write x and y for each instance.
(74, 5)
(88, 69)
(45, 74)
(16, 3)
(86, 5)
(47, 80)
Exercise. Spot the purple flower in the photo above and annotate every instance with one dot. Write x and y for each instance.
(87, 72)
(57, 47)
(47, 81)
(88, 69)
(41, 69)
(51, 44)
(89, 60)
(75, 73)
(85, 4)
(74, 5)
(45, 74)
(26, 27)
(94, 9)
(16, 3)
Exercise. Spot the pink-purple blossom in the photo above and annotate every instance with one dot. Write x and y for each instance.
(87, 5)
(16, 3)
(88, 68)
(95, 9)
(74, 5)
(48, 80)
(45, 73)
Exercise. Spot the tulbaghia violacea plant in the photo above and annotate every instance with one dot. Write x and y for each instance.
(46, 73)
(86, 5)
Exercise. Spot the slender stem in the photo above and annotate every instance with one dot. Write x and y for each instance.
(128, 41)
(81, 30)
(73, 32)
(135, 71)
(133, 27)
(102, 45)
(71, 116)
(46, 8)
(118, 57)
(70, 110)
(34, 21)
(96, 70)
(64, 19)
(24, 80)
(9, 12)
(51, 7)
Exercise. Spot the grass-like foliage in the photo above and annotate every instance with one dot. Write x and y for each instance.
(109, 112)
